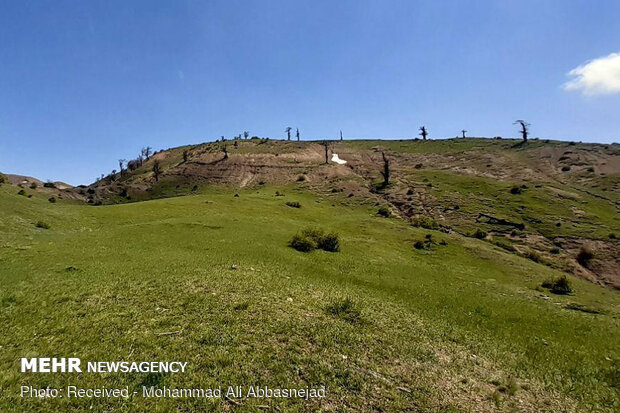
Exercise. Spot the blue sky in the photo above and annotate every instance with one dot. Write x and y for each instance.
(84, 83)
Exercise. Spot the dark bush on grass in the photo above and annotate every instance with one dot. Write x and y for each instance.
(424, 222)
(560, 285)
(303, 243)
(480, 234)
(43, 225)
(313, 238)
(585, 255)
(516, 190)
(384, 212)
(346, 310)
(612, 236)
(294, 204)
(301, 178)
(565, 168)
(419, 245)
(33, 185)
(554, 250)
(21, 192)
(52, 199)
(329, 242)
(3, 179)
(49, 184)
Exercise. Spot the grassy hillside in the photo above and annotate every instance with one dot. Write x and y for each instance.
(209, 279)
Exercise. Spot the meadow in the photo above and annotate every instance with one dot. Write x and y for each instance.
(209, 279)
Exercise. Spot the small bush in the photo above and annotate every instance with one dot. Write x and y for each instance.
(534, 256)
(346, 310)
(560, 285)
(516, 190)
(21, 192)
(554, 250)
(3, 178)
(424, 222)
(480, 234)
(565, 168)
(419, 245)
(43, 225)
(302, 243)
(52, 200)
(301, 178)
(384, 212)
(312, 238)
(294, 204)
(612, 236)
(585, 255)
(49, 184)
(329, 243)
(33, 185)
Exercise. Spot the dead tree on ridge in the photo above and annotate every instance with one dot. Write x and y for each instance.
(326, 145)
(156, 170)
(297, 134)
(288, 132)
(121, 163)
(525, 128)
(386, 170)
(246, 134)
(341, 135)
(463, 132)
(423, 132)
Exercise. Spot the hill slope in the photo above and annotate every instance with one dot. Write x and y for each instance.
(547, 200)
(209, 279)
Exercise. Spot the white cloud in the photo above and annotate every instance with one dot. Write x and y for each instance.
(597, 77)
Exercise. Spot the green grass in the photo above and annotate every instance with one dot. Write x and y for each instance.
(460, 326)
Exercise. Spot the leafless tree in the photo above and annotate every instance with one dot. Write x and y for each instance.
(121, 164)
(341, 135)
(525, 128)
(246, 134)
(140, 160)
(156, 170)
(147, 152)
(326, 146)
(386, 170)
(288, 132)
(463, 132)
(297, 134)
(423, 132)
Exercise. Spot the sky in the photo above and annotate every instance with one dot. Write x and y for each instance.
(85, 83)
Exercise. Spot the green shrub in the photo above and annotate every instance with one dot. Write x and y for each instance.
(560, 285)
(43, 225)
(294, 204)
(384, 212)
(534, 256)
(554, 250)
(49, 184)
(329, 243)
(52, 200)
(3, 178)
(301, 178)
(21, 192)
(33, 185)
(516, 190)
(612, 236)
(419, 245)
(425, 222)
(302, 243)
(480, 234)
(313, 238)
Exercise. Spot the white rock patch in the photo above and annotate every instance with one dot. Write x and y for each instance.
(336, 159)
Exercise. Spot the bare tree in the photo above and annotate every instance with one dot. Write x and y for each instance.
(121, 164)
(156, 170)
(185, 155)
(326, 145)
(463, 132)
(386, 170)
(525, 128)
(140, 160)
(246, 134)
(147, 152)
(423, 132)
(288, 132)
(340, 134)
(297, 134)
